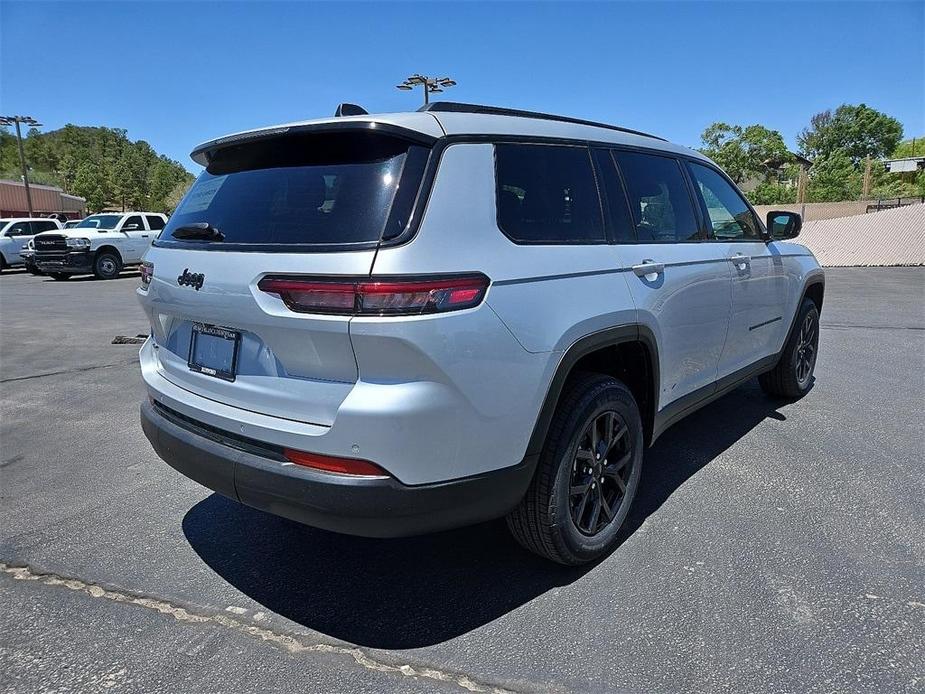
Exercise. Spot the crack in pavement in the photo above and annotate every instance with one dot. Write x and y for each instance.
(293, 644)
(80, 369)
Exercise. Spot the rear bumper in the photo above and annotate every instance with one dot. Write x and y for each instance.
(371, 507)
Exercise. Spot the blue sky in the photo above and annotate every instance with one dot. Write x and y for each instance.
(175, 74)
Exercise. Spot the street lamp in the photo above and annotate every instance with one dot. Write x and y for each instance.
(30, 121)
(431, 85)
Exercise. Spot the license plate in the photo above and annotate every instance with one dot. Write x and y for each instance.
(214, 351)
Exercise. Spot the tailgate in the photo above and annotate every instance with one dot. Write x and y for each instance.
(303, 205)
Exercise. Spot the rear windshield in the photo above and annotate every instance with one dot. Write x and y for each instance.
(331, 189)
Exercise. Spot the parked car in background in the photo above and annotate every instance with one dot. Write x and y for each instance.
(101, 244)
(15, 235)
(28, 258)
(394, 324)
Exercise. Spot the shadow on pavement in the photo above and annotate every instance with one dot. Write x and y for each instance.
(125, 274)
(414, 592)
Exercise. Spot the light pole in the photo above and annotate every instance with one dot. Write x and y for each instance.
(431, 85)
(30, 121)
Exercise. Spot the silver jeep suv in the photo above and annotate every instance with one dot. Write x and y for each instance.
(386, 325)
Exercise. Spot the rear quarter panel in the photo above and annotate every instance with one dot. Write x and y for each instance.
(500, 358)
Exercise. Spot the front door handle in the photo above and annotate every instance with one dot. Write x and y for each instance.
(648, 267)
(740, 261)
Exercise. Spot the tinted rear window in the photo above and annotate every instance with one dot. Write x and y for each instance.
(305, 190)
(547, 194)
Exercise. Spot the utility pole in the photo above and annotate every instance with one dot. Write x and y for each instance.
(30, 121)
(431, 85)
(865, 186)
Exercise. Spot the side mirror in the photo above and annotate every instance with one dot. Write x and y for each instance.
(130, 227)
(784, 225)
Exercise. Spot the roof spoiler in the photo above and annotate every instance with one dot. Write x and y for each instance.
(205, 152)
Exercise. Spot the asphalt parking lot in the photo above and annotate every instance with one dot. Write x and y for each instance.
(775, 547)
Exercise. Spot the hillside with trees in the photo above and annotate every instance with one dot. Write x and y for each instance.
(99, 164)
(838, 143)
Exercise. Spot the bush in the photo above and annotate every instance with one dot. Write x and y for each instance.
(769, 193)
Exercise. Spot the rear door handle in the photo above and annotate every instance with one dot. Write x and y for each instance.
(648, 267)
(144, 236)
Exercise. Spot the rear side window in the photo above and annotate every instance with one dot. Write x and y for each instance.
(658, 197)
(547, 194)
(305, 190)
(154, 221)
(39, 227)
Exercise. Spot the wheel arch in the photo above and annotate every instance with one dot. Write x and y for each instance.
(815, 290)
(627, 352)
(108, 248)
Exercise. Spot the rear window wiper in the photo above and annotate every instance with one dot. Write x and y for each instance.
(199, 231)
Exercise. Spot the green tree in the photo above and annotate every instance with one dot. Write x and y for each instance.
(744, 153)
(913, 147)
(108, 163)
(857, 131)
(772, 193)
(833, 178)
(67, 170)
(9, 156)
(90, 184)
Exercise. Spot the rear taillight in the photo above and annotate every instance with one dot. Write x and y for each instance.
(328, 463)
(378, 297)
(147, 272)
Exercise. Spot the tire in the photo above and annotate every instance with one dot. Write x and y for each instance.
(793, 376)
(562, 516)
(60, 276)
(107, 266)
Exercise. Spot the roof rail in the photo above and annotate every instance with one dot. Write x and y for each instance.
(455, 107)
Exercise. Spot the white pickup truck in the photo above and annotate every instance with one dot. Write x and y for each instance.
(15, 235)
(101, 245)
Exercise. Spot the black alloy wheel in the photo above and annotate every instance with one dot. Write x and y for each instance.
(807, 344)
(600, 473)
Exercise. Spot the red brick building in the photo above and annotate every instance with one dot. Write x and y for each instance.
(45, 200)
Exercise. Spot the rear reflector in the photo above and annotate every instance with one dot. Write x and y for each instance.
(327, 463)
(372, 297)
(147, 273)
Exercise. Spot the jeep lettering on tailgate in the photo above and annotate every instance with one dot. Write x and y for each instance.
(191, 279)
